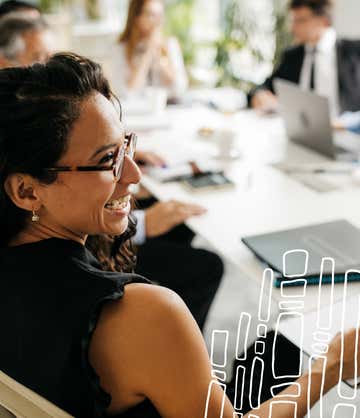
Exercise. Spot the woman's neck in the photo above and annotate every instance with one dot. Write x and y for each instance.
(38, 232)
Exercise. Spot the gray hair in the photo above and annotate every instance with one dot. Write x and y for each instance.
(12, 27)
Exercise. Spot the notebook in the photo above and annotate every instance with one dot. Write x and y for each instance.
(300, 251)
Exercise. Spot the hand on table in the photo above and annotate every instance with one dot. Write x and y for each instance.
(163, 216)
(150, 158)
(333, 356)
(265, 101)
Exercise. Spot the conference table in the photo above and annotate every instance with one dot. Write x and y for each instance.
(264, 198)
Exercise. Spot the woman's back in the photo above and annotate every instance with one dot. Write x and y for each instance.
(51, 294)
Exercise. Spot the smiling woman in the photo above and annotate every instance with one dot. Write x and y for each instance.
(91, 341)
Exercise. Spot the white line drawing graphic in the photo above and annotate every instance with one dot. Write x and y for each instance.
(321, 348)
(342, 410)
(212, 384)
(297, 252)
(322, 337)
(298, 284)
(343, 331)
(258, 367)
(291, 304)
(265, 295)
(274, 411)
(242, 335)
(259, 347)
(261, 330)
(281, 386)
(324, 360)
(218, 374)
(282, 316)
(291, 308)
(239, 387)
(221, 338)
(324, 323)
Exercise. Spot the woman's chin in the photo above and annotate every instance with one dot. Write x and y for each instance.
(117, 229)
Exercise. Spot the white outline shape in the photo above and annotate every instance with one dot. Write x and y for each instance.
(291, 305)
(219, 375)
(320, 348)
(260, 351)
(340, 405)
(286, 253)
(259, 385)
(286, 385)
(322, 336)
(320, 400)
(343, 330)
(237, 415)
(331, 302)
(236, 406)
(282, 403)
(243, 354)
(259, 333)
(289, 284)
(265, 278)
(223, 386)
(226, 333)
(291, 315)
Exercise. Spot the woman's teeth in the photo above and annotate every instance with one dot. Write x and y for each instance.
(120, 203)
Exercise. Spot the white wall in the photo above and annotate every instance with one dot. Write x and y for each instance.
(347, 18)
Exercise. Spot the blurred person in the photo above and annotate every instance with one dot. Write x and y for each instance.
(143, 56)
(23, 40)
(318, 61)
(13, 6)
(99, 342)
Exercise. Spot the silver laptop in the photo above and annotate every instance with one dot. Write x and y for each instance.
(307, 122)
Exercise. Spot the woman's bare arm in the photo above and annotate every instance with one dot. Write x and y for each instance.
(147, 345)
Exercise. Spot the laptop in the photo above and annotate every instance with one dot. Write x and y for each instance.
(338, 239)
(308, 123)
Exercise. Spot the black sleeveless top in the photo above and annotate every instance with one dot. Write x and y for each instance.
(51, 295)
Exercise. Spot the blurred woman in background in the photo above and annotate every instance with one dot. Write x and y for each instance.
(143, 56)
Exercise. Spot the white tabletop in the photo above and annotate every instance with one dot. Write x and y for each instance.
(264, 199)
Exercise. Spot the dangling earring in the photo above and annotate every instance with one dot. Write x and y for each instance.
(35, 217)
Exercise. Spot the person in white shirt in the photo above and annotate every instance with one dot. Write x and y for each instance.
(143, 56)
(319, 61)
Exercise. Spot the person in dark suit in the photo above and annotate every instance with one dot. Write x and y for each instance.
(319, 60)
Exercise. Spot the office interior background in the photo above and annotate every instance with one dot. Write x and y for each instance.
(231, 44)
(224, 42)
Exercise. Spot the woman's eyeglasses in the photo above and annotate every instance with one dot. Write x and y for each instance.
(127, 148)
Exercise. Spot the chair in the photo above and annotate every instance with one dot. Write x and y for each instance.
(17, 401)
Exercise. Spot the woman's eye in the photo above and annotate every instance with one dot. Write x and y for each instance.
(107, 158)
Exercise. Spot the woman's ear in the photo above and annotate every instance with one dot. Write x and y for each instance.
(20, 189)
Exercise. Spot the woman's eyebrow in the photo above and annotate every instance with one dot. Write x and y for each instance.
(103, 148)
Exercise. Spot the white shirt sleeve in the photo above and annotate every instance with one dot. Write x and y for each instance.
(140, 236)
(120, 70)
(176, 58)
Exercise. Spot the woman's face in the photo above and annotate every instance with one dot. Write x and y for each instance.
(78, 202)
(151, 17)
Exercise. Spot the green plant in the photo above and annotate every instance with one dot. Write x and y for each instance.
(238, 29)
(281, 29)
(179, 20)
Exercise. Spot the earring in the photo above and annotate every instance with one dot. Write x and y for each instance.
(35, 217)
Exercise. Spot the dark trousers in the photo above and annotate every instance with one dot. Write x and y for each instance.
(170, 261)
(287, 357)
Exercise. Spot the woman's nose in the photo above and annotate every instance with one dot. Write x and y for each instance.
(131, 173)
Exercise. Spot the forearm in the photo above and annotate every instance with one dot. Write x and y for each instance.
(138, 75)
(309, 395)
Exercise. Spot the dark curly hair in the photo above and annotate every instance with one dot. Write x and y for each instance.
(38, 107)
